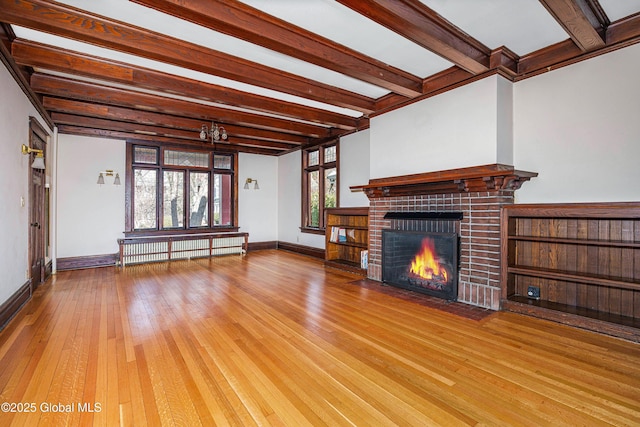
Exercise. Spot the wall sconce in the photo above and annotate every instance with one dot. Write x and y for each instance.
(249, 181)
(216, 133)
(108, 172)
(38, 162)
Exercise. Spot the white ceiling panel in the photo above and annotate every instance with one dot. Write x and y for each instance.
(617, 9)
(342, 25)
(523, 26)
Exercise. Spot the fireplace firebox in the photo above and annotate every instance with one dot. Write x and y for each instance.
(425, 262)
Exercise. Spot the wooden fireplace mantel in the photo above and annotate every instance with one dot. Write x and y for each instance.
(477, 178)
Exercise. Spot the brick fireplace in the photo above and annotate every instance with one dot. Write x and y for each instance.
(478, 193)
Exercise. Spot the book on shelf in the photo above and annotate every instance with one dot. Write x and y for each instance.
(333, 237)
(364, 259)
(342, 235)
(351, 235)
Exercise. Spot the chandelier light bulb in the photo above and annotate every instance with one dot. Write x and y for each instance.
(216, 133)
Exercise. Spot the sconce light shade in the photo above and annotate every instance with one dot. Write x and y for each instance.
(249, 181)
(108, 172)
(38, 161)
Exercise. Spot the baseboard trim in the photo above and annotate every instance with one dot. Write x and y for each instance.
(12, 306)
(80, 262)
(109, 260)
(302, 249)
(258, 246)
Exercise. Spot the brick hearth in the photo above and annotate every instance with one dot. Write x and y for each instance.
(479, 279)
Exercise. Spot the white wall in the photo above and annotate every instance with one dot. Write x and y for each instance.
(290, 202)
(354, 168)
(504, 122)
(452, 130)
(90, 216)
(579, 128)
(15, 168)
(258, 209)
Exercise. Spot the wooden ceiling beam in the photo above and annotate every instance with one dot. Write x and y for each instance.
(107, 124)
(67, 21)
(19, 74)
(130, 136)
(254, 26)
(580, 20)
(418, 23)
(618, 34)
(79, 90)
(122, 114)
(624, 30)
(52, 58)
(438, 83)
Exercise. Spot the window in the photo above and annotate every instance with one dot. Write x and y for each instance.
(179, 190)
(319, 184)
(145, 184)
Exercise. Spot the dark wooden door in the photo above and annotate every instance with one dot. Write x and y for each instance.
(36, 222)
(37, 209)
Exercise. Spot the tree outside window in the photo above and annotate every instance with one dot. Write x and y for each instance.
(320, 184)
(173, 190)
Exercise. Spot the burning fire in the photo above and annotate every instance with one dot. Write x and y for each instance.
(425, 264)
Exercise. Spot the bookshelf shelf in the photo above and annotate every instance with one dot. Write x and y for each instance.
(347, 238)
(574, 259)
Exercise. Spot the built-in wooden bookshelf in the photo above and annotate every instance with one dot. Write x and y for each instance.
(579, 260)
(347, 238)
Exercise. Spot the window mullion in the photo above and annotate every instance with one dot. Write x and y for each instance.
(150, 209)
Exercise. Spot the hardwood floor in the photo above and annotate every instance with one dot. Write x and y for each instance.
(274, 338)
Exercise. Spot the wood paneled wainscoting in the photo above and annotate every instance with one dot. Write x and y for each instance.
(274, 338)
(576, 263)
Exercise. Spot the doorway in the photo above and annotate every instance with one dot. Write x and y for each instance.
(38, 225)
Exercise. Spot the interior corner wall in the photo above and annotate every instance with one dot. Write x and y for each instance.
(258, 209)
(354, 168)
(15, 109)
(579, 128)
(504, 122)
(455, 129)
(290, 202)
(90, 217)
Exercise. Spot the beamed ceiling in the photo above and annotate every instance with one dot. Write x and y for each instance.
(279, 75)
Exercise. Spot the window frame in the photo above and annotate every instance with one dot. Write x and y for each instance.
(161, 168)
(321, 167)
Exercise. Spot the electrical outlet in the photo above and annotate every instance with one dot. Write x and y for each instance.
(533, 292)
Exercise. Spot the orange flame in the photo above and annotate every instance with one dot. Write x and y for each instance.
(425, 264)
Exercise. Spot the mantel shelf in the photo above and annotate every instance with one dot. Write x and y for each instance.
(477, 178)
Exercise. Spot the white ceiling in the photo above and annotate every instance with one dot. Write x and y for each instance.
(521, 25)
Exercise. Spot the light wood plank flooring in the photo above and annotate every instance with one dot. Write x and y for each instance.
(274, 338)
